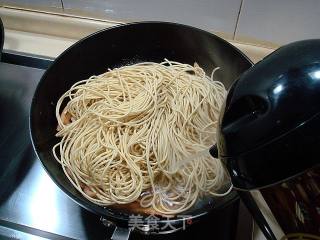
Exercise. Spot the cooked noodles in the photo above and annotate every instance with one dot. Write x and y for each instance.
(130, 130)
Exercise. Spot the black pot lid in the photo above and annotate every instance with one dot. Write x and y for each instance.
(269, 128)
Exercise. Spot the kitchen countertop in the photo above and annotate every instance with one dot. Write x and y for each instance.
(47, 34)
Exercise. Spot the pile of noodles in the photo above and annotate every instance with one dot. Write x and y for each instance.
(125, 136)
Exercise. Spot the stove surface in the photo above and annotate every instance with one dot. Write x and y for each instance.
(31, 205)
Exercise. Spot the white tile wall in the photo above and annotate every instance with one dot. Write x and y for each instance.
(34, 4)
(279, 21)
(213, 15)
(274, 21)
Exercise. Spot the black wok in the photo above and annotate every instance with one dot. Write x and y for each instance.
(118, 46)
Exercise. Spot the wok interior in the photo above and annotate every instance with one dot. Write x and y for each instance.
(115, 47)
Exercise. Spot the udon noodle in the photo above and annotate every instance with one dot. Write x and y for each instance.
(131, 130)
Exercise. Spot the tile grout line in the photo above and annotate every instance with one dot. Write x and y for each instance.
(237, 21)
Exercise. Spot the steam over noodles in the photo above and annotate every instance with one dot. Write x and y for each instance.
(125, 136)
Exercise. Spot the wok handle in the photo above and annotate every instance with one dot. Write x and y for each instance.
(1, 37)
(121, 233)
